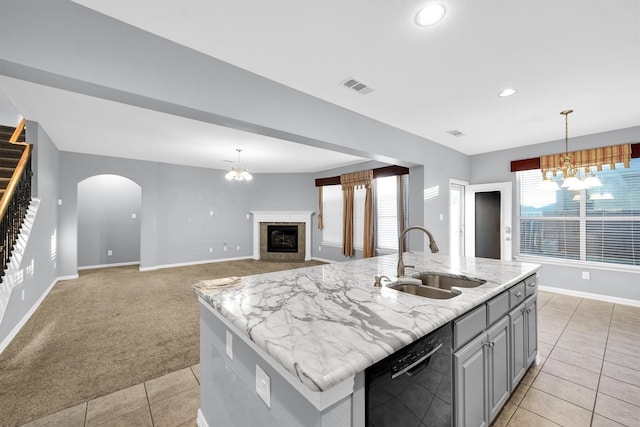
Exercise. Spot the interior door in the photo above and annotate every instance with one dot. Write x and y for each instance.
(488, 220)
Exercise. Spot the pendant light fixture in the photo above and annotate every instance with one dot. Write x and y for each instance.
(574, 178)
(237, 172)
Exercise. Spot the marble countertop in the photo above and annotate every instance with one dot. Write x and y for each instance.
(326, 323)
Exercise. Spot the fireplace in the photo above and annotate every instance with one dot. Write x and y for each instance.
(281, 225)
(282, 238)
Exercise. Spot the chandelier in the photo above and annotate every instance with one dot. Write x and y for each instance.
(237, 172)
(574, 178)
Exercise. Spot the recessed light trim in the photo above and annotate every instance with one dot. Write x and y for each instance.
(430, 15)
(507, 92)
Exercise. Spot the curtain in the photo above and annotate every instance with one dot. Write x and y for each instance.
(320, 223)
(589, 158)
(369, 242)
(401, 210)
(350, 181)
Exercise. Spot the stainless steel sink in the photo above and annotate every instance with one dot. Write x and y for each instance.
(446, 281)
(423, 291)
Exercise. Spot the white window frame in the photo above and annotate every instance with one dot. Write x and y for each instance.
(332, 217)
(582, 219)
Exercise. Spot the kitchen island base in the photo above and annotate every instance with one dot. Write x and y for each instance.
(228, 387)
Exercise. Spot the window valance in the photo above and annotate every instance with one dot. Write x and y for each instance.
(360, 179)
(597, 157)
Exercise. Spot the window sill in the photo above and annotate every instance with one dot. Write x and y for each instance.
(578, 264)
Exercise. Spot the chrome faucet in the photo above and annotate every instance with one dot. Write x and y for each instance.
(432, 245)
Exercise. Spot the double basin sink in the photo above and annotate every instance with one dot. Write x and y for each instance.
(434, 285)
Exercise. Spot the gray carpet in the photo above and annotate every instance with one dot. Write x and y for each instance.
(107, 330)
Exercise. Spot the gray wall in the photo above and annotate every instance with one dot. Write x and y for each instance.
(40, 258)
(167, 77)
(185, 211)
(106, 206)
(495, 167)
(9, 116)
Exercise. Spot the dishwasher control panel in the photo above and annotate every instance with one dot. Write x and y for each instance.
(415, 353)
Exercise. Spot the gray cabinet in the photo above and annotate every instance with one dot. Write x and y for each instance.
(493, 348)
(524, 339)
(498, 366)
(482, 376)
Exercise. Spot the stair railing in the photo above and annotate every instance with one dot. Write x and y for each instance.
(15, 200)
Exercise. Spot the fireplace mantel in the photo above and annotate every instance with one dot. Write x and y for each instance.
(281, 216)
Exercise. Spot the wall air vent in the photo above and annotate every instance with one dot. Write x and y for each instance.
(455, 133)
(357, 85)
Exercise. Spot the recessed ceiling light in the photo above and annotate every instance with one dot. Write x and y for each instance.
(430, 15)
(507, 92)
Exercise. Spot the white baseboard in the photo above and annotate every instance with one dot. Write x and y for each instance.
(118, 264)
(330, 261)
(588, 295)
(186, 264)
(25, 318)
(200, 420)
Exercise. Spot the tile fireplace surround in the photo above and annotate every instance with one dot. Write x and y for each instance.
(285, 217)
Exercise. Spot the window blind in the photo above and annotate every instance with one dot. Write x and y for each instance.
(387, 211)
(601, 224)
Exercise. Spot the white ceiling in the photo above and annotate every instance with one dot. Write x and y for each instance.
(578, 54)
(109, 128)
(571, 54)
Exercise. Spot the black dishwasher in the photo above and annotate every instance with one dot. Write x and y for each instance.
(412, 387)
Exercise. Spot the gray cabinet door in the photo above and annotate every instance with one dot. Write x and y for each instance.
(470, 384)
(518, 345)
(498, 364)
(531, 310)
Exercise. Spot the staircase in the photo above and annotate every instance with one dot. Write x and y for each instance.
(9, 156)
(15, 188)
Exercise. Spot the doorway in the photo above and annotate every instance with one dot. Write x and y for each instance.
(456, 218)
(108, 221)
(488, 228)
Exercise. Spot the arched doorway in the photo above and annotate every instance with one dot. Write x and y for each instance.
(108, 221)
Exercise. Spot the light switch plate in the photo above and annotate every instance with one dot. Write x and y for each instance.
(263, 386)
(586, 275)
(229, 347)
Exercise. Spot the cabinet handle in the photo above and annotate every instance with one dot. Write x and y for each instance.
(531, 285)
(519, 294)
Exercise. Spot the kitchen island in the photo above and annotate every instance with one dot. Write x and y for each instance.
(303, 338)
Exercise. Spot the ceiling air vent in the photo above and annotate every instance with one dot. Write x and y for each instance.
(455, 132)
(357, 85)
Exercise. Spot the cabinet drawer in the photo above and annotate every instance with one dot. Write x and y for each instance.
(497, 307)
(516, 295)
(469, 326)
(530, 285)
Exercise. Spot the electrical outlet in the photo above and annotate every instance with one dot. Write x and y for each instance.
(263, 386)
(229, 346)
(225, 247)
(238, 248)
(210, 250)
(210, 213)
(586, 275)
(441, 217)
(109, 252)
(248, 216)
(59, 202)
(22, 295)
(320, 248)
(134, 216)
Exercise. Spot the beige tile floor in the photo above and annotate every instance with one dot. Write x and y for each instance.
(588, 375)
(169, 401)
